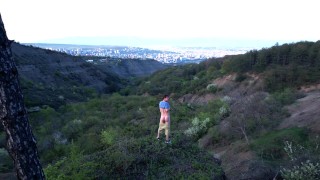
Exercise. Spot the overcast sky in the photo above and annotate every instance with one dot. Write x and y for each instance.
(38, 20)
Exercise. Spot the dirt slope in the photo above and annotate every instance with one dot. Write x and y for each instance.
(305, 112)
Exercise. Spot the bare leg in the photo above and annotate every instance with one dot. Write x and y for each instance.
(167, 131)
(159, 129)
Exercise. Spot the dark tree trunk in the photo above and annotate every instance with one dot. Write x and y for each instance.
(21, 144)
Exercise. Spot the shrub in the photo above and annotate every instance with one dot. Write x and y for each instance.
(287, 96)
(306, 170)
(143, 158)
(74, 166)
(304, 160)
(108, 136)
(212, 88)
(199, 126)
(270, 145)
(240, 77)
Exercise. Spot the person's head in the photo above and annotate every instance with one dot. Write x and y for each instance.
(165, 97)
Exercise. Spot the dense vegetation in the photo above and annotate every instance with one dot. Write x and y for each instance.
(113, 136)
(288, 65)
(285, 66)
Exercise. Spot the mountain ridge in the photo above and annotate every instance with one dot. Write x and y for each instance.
(70, 78)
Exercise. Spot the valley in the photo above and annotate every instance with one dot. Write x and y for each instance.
(233, 117)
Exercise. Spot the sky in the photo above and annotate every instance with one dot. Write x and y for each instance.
(270, 20)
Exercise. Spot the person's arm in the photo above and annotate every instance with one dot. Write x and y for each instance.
(167, 107)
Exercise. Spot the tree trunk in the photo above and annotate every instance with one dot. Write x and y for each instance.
(21, 143)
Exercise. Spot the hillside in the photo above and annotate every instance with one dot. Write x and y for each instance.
(258, 88)
(53, 78)
(130, 68)
(251, 116)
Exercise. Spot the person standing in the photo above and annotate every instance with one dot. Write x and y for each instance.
(164, 123)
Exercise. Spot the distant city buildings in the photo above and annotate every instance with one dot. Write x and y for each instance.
(164, 55)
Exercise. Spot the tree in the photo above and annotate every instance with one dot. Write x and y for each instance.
(249, 114)
(21, 143)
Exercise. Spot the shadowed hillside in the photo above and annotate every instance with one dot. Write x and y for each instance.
(53, 78)
(130, 68)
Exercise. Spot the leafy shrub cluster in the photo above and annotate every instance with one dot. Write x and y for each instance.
(270, 145)
(198, 126)
(287, 96)
(306, 170)
(37, 94)
(207, 117)
(74, 166)
(303, 160)
(138, 158)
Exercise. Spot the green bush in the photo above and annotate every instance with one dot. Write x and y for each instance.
(147, 158)
(306, 170)
(108, 136)
(287, 96)
(74, 166)
(304, 160)
(270, 145)
(198, 128)
(212, 88)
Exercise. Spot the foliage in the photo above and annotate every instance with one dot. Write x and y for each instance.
(38, 94)
(306, 170)
(198, 126)
(147, 158)
(208, 116)
(285, 66)
(252, 115)
(270, 145)
(304, 160)
(116, 135)
(180, 80)
(116, 132)
(287, 96)
(108, 136)
(75, 166)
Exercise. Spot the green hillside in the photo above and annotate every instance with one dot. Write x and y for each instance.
(285, 66)
(226, 123)
(54, 79)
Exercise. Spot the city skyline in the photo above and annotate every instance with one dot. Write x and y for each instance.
(272, 21)
(169, 55)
